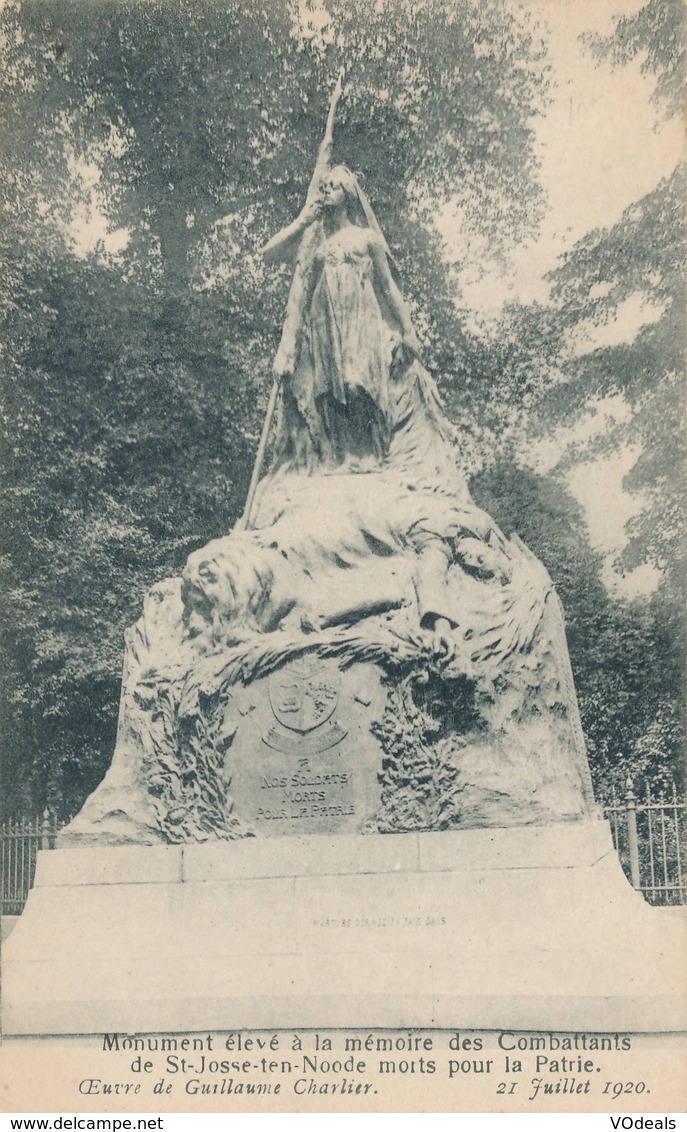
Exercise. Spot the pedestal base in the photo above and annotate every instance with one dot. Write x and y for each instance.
(526, 928)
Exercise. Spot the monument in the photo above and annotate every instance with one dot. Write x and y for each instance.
(350, 784)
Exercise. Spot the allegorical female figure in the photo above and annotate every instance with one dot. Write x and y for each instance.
(347, 326)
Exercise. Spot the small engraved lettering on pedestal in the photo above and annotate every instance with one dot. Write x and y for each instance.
(307, 794)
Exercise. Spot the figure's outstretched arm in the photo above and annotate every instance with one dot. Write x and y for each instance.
(282, 245)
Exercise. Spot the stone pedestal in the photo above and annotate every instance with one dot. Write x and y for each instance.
(529, 928)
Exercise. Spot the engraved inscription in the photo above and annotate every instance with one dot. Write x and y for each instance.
(382, 922)
(306, 794)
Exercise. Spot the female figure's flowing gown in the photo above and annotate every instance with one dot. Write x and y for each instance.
(340, 385)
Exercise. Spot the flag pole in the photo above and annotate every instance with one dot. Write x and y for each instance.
(244, 523)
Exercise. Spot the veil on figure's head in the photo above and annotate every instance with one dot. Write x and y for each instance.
(360, 209)
(311, 240)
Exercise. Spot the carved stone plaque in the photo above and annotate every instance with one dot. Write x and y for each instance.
(303, 759)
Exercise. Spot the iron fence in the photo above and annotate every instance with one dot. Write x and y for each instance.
(19, 843)
(649, 834)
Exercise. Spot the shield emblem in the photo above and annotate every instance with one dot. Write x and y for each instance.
(304, 693)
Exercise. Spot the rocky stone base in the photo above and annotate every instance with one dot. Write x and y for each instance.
(531, 928)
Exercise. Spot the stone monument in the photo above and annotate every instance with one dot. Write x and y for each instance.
(350, 784)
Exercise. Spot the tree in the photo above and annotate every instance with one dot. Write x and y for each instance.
(135, 370)
(109, 481)
(567, 356)
(640, 261)
(656, 33)
(627, 655)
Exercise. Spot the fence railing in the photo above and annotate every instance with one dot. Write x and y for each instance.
(19, 844)
(649, 834)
